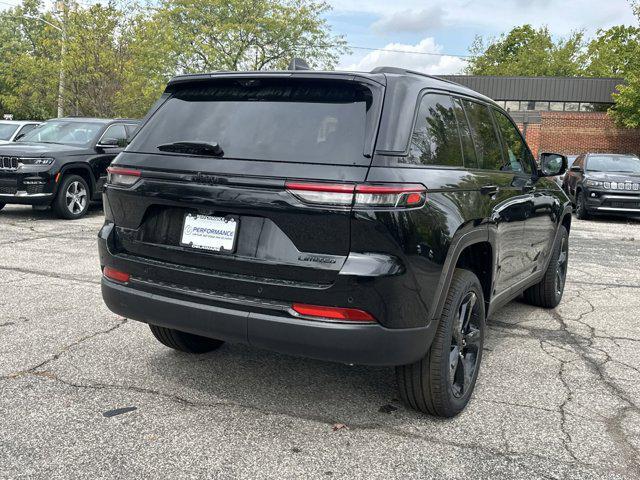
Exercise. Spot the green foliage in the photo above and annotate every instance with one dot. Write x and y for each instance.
(118, 58)
(526, 51)
(614, 52)
(626, 111)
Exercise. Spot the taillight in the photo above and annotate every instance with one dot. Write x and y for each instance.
(362, 196)
(392, 195)
(339, 194)
(331, 313)
(117, 275)
(123, 177)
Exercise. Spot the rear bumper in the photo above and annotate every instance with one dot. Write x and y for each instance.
(366, 344)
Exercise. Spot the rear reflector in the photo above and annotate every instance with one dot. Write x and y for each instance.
(361, 196)
(124, 177)
(117, 275)
(333, 313)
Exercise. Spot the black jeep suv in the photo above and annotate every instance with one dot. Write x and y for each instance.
(604, 183)
(372, 218)
(62, 163)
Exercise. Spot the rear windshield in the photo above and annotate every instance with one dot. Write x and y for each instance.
(274, 120)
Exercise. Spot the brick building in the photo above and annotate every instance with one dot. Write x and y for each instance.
(564, 115)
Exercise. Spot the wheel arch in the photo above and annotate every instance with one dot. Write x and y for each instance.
(81, 170)
(474, 251)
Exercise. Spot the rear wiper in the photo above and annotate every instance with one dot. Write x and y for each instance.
(193, 148)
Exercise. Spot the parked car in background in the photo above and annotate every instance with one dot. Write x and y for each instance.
(369, 218)
(62, 163)
(12, 130)
(559, 179)
(604, 183)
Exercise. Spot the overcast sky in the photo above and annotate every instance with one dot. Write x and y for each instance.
(450, 27)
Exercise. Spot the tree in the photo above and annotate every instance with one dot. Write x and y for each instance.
(29, 53)
(94, 61)
(119, 58)
(624, 43)
(526, 51)
(614, 52)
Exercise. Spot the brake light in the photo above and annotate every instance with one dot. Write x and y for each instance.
(117, 275)
(338, 194)
(332, 313)
(396, 196)
(124, 177)
(361, 196)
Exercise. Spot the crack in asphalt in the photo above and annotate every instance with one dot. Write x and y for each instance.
(582, 347)
(42, 237)
(509, 455)
(62, 351)
(62, 276)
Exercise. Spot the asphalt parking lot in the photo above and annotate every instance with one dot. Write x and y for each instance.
(557, 395)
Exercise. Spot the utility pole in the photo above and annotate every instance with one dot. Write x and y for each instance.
(62, 8)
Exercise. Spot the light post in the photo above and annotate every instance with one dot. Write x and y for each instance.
(61, 83)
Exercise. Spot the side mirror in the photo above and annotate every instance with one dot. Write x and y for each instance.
(552, 164)
(108, 143)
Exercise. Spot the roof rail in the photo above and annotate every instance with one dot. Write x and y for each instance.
(404, 71)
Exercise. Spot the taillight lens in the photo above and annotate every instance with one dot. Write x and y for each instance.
(123, 177)
(338, 194)
(117, 275)
(360, 196)
(332, 313)
(391, 195)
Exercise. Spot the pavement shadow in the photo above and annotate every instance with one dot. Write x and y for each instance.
(275, 383)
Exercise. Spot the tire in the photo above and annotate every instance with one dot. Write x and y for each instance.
(581, 206)
(548, 293)
(433, 385)
(72, 200)
(183, 341)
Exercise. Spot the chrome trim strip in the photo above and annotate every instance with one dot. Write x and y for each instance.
(620, 209)
(24, 194)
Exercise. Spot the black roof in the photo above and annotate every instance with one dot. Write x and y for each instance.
(382, 75)
(560, 89)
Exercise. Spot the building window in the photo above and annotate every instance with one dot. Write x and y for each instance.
(528, 105)
(512, 106)
(571, 107)
(594, 107)
(541, 106)
(556, 106)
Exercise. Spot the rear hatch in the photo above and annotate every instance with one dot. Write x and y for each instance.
(220, 202)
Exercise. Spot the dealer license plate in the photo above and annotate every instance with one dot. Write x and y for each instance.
(205, 232)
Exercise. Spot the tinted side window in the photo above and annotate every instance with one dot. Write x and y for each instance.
(484, 135)
(131, 129)
(116, 131)
(517, 155)
(435, 139)
(469, 151)
(27, 128)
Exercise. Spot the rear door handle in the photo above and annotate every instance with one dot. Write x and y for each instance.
(489, 190)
